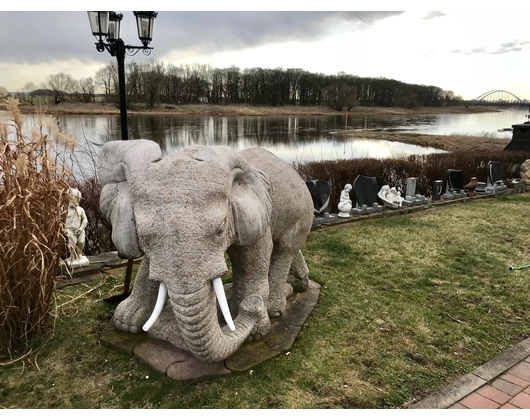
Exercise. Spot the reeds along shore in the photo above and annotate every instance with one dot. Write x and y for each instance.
(34, 183)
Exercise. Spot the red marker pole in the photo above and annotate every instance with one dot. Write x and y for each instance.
(345, 129)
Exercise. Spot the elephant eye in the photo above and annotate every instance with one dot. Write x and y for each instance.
(221, 228)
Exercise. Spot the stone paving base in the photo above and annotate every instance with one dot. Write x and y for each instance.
(183, 365)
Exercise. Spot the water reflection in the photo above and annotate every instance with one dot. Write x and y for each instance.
(294, 139)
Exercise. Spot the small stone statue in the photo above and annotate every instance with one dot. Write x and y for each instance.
(471, 186)
(76, 222)
(345, 204)
(391, 196)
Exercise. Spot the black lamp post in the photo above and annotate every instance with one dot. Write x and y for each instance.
(107, 25)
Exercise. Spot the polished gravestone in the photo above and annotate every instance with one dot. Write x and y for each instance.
(496, 177)
(455, 185)
(183, 365)
(320, 192)
(437, 190)
(365, 189)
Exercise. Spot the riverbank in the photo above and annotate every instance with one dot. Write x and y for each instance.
(451, 143)
(244, 110)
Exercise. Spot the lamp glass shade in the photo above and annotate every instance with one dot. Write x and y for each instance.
(146, 24)
(114, 26)
(99, 23)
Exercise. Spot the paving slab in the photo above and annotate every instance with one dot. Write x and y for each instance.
(159, 354)
(503, 362)
(120, 341)
(249, 355)
(193, 369)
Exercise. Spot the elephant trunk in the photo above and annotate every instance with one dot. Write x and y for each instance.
(196, 314)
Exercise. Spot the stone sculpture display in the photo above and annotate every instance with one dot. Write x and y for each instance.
(183, 212)
(76, 222)
(390, 196)
(345, 204)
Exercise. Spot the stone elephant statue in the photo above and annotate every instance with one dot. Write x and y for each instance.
(183, 213)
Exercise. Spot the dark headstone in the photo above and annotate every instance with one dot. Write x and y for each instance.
(320, 191)
(494, 172)
(365, 189)
(455, 180)
(437, 190)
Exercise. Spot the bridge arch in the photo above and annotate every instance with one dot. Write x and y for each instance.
(498, 95)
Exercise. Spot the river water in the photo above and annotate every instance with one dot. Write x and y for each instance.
(292, 138)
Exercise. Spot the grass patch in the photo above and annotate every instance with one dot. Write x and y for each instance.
(408, 304)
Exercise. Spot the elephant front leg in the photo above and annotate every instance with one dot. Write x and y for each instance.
(250, 268)
(133, 312)
(279, 288)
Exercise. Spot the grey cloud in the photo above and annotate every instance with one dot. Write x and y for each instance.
(432, 15)
(510, 46)
(503, 48)
(35, 37)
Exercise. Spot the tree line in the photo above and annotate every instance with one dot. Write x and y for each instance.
(155, 83)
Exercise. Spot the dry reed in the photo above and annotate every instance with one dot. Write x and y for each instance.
(34, 181)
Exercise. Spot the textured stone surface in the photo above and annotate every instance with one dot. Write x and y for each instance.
(182, 365)
(524, 173)
(190, 210)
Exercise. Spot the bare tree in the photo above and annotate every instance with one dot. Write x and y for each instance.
(26, 93)
(60, 85)
(106, 80)
(84, 90)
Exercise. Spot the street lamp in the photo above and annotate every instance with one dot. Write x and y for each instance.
(107, 25)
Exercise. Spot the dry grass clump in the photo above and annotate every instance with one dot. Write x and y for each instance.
(34, 183)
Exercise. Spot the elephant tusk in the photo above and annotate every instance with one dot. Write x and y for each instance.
(221, 298)
(160, 301)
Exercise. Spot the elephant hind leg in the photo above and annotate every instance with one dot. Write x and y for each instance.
(298, 273)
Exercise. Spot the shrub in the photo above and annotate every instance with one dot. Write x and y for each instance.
(34, 183)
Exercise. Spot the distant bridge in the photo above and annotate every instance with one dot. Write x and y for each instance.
(499, 98)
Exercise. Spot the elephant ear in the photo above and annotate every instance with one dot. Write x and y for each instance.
(251, 203)
(249, 191)
(117, 163)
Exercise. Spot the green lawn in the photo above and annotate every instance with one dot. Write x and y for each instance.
(408, 304)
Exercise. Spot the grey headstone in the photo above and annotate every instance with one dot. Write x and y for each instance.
(411, 188)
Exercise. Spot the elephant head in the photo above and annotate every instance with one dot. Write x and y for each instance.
(183, 212)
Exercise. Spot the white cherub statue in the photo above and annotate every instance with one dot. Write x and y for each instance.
(76, 222)
(345, 204)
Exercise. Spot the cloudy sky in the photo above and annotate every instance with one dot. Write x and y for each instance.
(468, 52)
